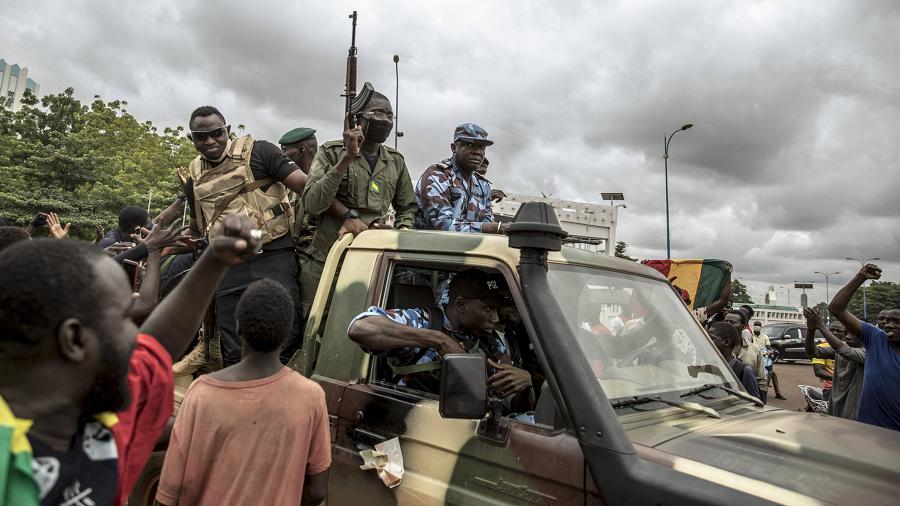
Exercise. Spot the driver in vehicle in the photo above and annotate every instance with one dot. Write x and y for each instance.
(414, 340)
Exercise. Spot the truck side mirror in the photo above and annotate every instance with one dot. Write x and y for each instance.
(464, 386)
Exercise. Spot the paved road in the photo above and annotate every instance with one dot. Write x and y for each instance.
(789, 376)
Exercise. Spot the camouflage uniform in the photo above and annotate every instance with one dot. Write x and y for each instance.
(371, 192)
(448, 201)
(429, 378)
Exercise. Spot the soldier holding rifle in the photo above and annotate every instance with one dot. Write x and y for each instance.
(354, 182)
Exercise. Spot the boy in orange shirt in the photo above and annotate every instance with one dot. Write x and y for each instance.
(238, 424)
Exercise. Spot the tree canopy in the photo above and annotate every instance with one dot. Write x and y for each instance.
(739, 293)
(880, 295)
(621, 251)
(85, 162)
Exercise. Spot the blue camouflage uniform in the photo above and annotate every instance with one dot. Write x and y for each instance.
(425, 376)
(450, 202)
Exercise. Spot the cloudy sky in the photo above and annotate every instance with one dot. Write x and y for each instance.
(791, 165)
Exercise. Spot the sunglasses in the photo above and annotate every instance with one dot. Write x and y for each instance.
(200, 136)
(378, 116)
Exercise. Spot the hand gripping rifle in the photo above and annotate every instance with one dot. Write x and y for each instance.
(350, 84)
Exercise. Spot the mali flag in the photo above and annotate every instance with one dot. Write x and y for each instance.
(17, 485)
(701, 280)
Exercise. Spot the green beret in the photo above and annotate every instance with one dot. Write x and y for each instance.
(296, 135)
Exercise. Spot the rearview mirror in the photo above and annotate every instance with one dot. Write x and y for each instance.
(463, 386)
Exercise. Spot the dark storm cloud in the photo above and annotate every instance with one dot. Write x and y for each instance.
(791, 163)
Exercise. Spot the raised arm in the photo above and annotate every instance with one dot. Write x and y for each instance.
(325, 175)
(177, 318)
(840, 301)
(149, 294)
(816, 322)
(722, 301)
(813, 321)
(170, 214)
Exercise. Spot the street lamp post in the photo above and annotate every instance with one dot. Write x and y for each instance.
(668, 139)
(397, 132)
(862, 263)
(827, 290)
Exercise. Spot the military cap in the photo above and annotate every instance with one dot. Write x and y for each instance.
(470, 132)
(476, 284)
(296, 135)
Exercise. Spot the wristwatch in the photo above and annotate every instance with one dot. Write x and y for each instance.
(350, 215)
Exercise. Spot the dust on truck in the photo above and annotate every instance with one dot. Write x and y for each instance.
(649, 414)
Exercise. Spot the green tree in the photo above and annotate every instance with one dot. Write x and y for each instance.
(880, 295)
(620, 252)
(739, 293)
(85, 162)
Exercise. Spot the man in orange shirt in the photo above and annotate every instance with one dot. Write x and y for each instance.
(238, 424)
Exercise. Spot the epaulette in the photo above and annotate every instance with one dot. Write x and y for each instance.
(330, 144)
(444, 164)
(392, 150)
(482, 176)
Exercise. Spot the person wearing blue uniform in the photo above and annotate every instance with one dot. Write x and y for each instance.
(453, 195)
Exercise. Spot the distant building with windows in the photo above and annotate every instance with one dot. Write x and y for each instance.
(14, 81)
(591, 227)
(770, 313)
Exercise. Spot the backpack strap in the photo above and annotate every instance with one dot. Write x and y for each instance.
(414, 368)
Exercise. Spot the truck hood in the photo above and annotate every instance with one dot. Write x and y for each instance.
(821, 457)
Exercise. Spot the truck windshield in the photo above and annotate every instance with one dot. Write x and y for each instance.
(635, 333)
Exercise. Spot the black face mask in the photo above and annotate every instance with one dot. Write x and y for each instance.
(378, 131)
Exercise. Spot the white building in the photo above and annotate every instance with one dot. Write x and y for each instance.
(768, 313)
(14, 81)
(593, 224)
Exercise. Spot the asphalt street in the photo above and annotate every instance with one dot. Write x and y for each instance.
(789, 376)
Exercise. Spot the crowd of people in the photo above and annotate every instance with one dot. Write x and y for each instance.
(90, 332)
(853, 387)
(87, 394)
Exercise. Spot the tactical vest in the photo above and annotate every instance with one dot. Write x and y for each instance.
(229, 188)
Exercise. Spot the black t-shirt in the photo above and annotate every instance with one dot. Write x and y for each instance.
(266, 161)
(85, 474)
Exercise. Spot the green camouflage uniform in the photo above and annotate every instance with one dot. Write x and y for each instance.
(372, 193)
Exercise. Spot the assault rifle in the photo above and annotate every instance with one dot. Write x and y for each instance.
(350, 84)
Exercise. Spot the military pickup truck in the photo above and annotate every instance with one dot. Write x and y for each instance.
(634, 403)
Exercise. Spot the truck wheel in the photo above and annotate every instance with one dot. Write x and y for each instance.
(144, 491)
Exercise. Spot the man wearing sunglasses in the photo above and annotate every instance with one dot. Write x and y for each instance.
(453, 195)
(354, 183)
(246, 177)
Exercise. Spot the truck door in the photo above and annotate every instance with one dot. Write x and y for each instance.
(446, 461)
